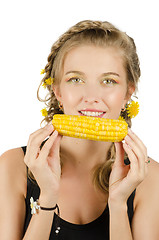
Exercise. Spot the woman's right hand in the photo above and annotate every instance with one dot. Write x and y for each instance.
(45, 163)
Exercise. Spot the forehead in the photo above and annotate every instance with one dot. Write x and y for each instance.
(95, 59)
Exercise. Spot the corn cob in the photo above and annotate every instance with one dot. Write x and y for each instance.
(93, 128)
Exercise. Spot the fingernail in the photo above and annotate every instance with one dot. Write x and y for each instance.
(55, 132)
(49, 127)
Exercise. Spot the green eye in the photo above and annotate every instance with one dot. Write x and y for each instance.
(109, 81)
(75, 80)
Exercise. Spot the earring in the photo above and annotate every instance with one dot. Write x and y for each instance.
(60, 106)
(131, 110)
(123, 109)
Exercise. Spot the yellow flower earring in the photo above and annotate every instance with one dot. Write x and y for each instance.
(132, 109)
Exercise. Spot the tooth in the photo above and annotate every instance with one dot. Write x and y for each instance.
(88, 113)
(92, 113)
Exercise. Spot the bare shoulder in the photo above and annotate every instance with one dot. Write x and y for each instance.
(146, 208)
(13, 185)
(12, 166)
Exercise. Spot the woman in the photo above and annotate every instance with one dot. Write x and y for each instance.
(93, 69)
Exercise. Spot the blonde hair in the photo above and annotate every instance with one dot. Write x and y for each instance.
(102, 34)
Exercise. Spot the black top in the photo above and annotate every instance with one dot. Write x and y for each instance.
(95, 230)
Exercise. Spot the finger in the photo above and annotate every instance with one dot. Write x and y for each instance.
(138, 141)
(134, 165)
(119, 154)
(45, 151)
(55, 149)
(135, 147)
(54, 161)
(35, 141)
(138, 151)
(138, 168)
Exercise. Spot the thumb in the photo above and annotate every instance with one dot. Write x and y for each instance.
(119, 154)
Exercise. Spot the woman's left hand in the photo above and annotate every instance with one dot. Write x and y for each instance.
(125, 178)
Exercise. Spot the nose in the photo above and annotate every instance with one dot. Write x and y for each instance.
(91, 94)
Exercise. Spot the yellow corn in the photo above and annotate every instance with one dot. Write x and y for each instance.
(93, 128)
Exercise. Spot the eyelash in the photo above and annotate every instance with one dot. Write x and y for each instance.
(109, 81)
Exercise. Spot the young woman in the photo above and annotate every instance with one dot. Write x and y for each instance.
(93, 69)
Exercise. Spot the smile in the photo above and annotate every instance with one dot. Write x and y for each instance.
(91, 114)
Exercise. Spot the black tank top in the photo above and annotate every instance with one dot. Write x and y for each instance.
(95, 230)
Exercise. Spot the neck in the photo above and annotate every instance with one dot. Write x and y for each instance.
(82, 155)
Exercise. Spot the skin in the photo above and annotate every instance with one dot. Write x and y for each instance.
(85, 84)
(88, 89)
(73, 191)
(91, 89)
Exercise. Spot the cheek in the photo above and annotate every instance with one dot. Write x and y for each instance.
(69, 95)
(115, 100)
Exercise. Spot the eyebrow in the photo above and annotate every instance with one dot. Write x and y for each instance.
(78, 72)
(110, 73)
(102, 75)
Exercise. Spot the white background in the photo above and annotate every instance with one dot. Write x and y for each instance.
(28, 30)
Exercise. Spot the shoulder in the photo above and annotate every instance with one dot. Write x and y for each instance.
(13, 187)
(13, 168)
(146, 205)
(12, 157)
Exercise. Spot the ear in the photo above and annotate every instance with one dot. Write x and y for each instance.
(130, 91)
(56, 90)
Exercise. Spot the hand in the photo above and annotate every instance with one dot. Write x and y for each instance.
(45, 163)
(125, 178)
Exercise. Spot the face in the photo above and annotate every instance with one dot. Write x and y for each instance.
(93, 82)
